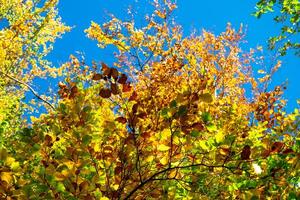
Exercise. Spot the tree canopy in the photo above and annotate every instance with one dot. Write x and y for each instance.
(287, 15)
(174, 117)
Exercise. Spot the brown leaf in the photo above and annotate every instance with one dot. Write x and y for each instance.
(48, 140)
(88, 197)
(198, 126)
(77, 172)
(97, 77)
(145, 135)
(122, 120)
(118, 169)
(74, 184)
(106, 71)
(135, 108)
(276, 147)
(122, 79)
(287, 151)
(245, 155)
(114, 88)
(114, 73)
(195, 97)
(61, 85)
(126, 87)
(142, 115)
(83, 186)
(74, 91)
(105, 93)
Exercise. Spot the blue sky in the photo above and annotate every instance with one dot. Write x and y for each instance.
(191, 14)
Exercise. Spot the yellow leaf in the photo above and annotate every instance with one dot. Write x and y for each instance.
(207, 98)
(164, 160)
(173, 174)
(104, 198)
(9, 161)
(163, 147)
(261, 71)
(149, 158)
(203, 145)
(7, 177)
(219, 137)
(165, 134)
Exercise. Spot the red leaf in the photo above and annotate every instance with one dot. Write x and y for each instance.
(105, 93)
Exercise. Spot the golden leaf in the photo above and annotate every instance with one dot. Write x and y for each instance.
(206, 97)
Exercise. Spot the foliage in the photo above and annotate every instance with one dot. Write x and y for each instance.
(287, 15)
(175, 118)
(29, 29)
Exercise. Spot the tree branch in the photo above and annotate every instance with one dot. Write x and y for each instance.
(153, 177)
(30, 88)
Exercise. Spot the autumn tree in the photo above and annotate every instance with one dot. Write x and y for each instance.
(174, 117)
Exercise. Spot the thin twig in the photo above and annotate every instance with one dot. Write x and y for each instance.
(30, 88)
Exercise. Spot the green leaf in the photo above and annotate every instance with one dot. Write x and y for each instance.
(86, 139)
(182, 110)
(292, 196)
(195, 133)
(173, 104)
(206, 117)
(165, 112)
(60, 187)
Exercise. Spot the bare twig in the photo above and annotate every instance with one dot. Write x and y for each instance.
(30, 88)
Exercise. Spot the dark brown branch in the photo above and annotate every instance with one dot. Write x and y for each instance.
(153, 177)
(30, 88)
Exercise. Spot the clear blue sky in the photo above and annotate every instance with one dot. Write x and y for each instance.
(210, 15)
